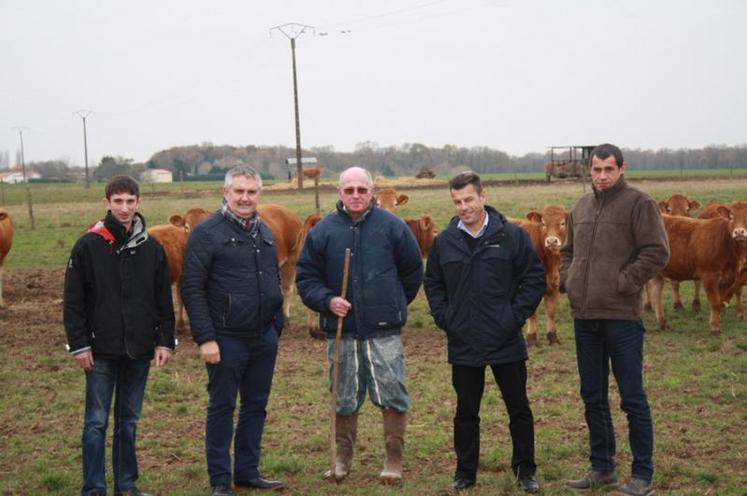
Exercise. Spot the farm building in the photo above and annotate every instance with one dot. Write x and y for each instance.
(157, 176)
(16, 176)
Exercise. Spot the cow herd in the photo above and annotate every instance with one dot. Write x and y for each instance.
(710, 250)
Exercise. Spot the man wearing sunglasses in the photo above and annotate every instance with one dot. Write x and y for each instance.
(386, 270)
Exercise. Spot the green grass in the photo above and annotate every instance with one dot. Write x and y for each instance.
(696, 383)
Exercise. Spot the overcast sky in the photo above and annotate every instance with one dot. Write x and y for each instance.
(516, 75)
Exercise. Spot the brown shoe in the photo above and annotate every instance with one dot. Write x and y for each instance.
(592, 480)
(636, 487)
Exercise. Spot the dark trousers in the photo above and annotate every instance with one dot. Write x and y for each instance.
(125, 380)
(246, 367)
(599, 342)
(469, 383)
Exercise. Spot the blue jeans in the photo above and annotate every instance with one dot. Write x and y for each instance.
(246, 367)
(125, 379)
(599, 342)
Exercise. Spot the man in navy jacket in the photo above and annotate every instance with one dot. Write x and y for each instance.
(386, 270)
(118, 316)
(231, 290)
(483, 280)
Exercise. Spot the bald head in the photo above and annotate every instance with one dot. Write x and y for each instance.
(356, 174)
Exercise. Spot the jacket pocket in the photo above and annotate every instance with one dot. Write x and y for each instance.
(384, 317)
(239, 313)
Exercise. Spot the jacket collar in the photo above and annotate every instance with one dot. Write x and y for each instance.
(495, 228)
(607, 194)
(121, 236)
(344, 213)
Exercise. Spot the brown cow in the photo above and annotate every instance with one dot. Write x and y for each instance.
(547, 232)
(712, 250)
(173, 238)
(712, 211)
(312, 318)
(425, 231)
(681, 206)
(388, 199)
(308, 173)
(287, 231)
(6, 240)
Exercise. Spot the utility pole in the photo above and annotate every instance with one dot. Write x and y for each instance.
(25, 180)
(292, 31)
(83, 114)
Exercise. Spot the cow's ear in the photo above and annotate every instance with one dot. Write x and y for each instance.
(3, 215)
(176, 220)
(534, 216)
(724, 211)
(662, 207)
(694, 204)
(402, 199)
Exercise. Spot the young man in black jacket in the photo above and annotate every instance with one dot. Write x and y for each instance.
(482, 281)
(118, 317)
(231, 290)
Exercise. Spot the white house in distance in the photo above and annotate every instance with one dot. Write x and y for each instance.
(16, 176)
(157, 176)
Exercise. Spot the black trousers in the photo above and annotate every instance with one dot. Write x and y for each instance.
(469, 383)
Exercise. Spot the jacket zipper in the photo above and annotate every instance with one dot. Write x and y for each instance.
(588, 252)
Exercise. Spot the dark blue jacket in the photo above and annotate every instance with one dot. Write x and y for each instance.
(482, 298)
(386, 270)
(231, 281)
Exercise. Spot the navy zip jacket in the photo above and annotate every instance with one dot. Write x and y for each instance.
(386, 270)
(231, 281)
(482, 298)
(118, 294)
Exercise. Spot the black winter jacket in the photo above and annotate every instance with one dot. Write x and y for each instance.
(231, 281)
(482, 298)
(386, 270)
(117, 296)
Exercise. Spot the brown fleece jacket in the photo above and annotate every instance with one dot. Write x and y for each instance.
(615, 242)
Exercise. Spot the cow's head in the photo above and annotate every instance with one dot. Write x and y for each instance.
(678, 205)
(737, 214)
(193, 217)
(553, 219)
(388, 200)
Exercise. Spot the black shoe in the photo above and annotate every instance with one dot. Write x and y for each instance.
(529, 484)
(260, 483)
(131, 492)
(462, 483)
(223, 491)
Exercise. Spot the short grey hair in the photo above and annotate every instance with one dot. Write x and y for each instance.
(368, 175)
(242, 170)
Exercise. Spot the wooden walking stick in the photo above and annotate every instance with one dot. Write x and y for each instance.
(336, 366)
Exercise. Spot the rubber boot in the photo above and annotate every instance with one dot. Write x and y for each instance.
(394, 443)
(346, 429)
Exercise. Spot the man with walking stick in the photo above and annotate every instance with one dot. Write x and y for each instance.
(386, 270)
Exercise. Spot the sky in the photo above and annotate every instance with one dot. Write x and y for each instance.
(514, 75)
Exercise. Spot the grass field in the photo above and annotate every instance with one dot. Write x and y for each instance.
(696, 383)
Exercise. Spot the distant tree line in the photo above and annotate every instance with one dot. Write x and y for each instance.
(208, 160)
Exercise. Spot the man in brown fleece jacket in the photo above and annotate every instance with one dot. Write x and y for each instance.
(615, 242)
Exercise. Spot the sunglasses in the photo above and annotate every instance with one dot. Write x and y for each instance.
(360, 189)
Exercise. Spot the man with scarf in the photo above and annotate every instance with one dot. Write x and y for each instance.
(231, 290)
(118, 317)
